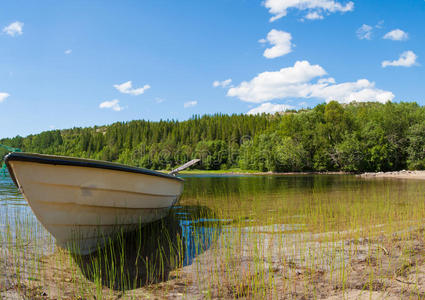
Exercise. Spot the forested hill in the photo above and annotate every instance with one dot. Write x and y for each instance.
(355, 137)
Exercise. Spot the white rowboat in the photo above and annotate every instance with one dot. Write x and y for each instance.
(82, 202)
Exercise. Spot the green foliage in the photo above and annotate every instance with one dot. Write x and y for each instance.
(352, 137)
(350, 154)
(416, 149)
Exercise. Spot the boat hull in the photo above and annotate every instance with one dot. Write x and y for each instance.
(83, 206)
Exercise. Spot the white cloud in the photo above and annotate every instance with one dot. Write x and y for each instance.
(159, 100)
(361, 90)
(273, 85)
(113, 104)
(68, 51)
(297, 82)
(364, 32)
(315, 8)
(396, 35)
(3, 96)
(314, 16)
(380, 24)
(190, 104)
(326, 80)
(406, 59)
(269, 108)
(127, 88)
(14, 28)
(281, 42)
(223, 83)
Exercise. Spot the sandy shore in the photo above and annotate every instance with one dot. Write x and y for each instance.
(306, 266)
(420, 175)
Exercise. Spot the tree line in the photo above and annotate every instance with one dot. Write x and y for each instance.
(355, 137)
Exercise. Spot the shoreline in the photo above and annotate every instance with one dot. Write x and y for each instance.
(403, 174)
(379, 265)
(245, 172)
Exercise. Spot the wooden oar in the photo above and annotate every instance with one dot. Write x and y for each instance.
(185, 166)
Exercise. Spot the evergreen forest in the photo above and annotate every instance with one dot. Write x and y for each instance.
(355, 137)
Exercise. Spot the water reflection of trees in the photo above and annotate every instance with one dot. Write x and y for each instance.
(216, 185)
(147, 255)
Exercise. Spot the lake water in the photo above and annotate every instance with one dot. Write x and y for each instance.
(309, 203)
(318, 202)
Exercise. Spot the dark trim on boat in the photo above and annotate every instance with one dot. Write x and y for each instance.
(77, 162)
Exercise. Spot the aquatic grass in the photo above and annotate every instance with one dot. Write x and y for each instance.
(268, 244)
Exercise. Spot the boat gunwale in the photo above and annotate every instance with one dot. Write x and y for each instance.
(77, 162)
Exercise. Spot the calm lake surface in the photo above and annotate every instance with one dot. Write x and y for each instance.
(307, 202)
(319, 202)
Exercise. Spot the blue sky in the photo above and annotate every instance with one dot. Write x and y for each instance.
(69, 63)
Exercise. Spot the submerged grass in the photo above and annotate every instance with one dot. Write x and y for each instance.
(317, 238)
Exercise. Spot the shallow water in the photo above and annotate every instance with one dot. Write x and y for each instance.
(320, 202)
(12, 204)
(290, 203)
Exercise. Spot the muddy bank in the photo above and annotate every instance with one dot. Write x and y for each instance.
(420, 175)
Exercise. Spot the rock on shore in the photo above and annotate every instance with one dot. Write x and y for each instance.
(404, 174)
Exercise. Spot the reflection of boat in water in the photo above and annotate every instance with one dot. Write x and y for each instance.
(147, 255)
(81, 202)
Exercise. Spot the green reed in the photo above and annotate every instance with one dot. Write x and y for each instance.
(267, 246)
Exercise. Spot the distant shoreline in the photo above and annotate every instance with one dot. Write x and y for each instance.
(248, 172)
(403, 174)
